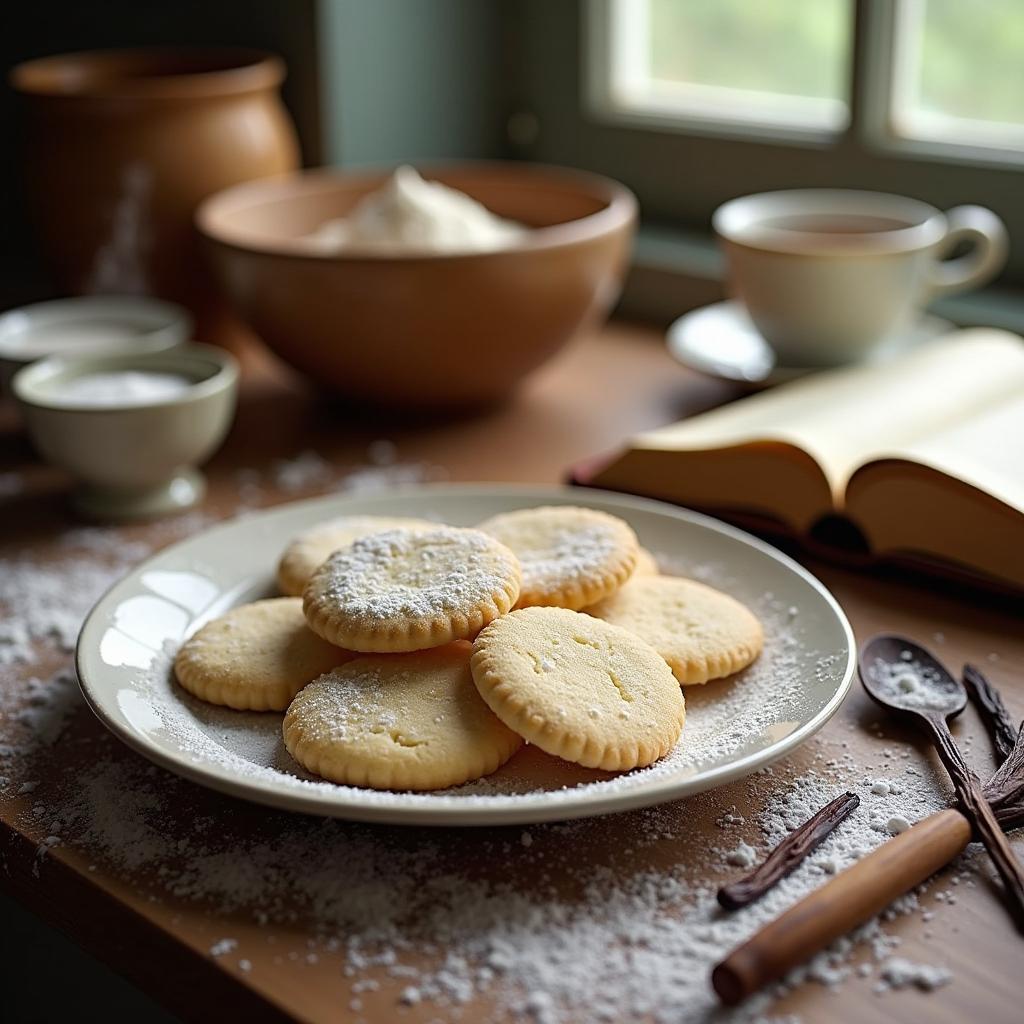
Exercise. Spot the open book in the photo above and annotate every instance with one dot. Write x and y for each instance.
(923, 455)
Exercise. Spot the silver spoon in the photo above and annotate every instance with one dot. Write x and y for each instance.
(900, 675)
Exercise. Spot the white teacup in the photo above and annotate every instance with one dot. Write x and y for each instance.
(828, 275)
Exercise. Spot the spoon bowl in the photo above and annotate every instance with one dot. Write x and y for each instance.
(902, 676)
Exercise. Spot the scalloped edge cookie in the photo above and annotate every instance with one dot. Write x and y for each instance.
(571, 557)
(702, 633)
(255, 657)
(646, 564)
(403, 721)
(579, 688)
(405, 590)
(311, 548)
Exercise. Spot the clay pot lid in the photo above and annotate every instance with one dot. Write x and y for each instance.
(157, 72)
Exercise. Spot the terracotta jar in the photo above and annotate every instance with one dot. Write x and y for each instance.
(122, 145)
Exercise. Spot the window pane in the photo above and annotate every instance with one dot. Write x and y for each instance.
(782, 62)
(960, 71)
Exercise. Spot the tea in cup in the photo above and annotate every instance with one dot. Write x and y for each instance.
(829, 275)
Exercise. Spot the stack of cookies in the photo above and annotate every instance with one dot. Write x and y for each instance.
(416, 656)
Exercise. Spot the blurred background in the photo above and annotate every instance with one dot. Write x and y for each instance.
(688, 102)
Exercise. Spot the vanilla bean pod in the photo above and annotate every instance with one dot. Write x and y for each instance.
(974, 804)
(788, 855)
(992, 711)
(1005, 790)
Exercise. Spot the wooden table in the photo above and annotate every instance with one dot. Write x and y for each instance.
(603, 388)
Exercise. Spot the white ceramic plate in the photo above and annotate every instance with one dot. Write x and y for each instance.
(733, 726)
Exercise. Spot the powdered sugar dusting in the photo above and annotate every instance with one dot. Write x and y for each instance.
(416, 574)
(909, 684)
(559, 547)
(602, 919)
(723, 718)
(899, 973)
(572, 555)
(42, 606)
(569, 927)
(309, 472)
(44, 609)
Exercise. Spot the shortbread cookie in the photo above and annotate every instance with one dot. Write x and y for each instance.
(256, 657)
(309, 550)
(404, 721)
(646, 564)
(701, 632)
(579, 688)
(407, 590)
(571, 557)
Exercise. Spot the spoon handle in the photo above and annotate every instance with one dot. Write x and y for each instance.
(974, 805)
(849, 899)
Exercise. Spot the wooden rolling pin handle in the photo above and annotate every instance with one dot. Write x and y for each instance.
(851, 898)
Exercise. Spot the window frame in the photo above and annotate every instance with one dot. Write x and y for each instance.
(874, 73)
(681, 174)
(598, 29)
(884, 24)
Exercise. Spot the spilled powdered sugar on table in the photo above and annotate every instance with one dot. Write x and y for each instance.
(570, 928)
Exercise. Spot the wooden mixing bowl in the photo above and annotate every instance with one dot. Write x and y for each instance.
(422, 330)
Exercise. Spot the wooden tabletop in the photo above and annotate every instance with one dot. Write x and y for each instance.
(144, 914)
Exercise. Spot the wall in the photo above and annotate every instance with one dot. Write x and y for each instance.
(411, 80)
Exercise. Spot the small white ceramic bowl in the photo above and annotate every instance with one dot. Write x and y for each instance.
(89, 325)
(134, 459)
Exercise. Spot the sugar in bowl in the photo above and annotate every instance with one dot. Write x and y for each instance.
(131, 427)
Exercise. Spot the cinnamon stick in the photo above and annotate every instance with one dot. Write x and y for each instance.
(788, 855)
(874, 881)
(851, 898)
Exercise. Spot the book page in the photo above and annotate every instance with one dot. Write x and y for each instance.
(986, 451)
(843, 418)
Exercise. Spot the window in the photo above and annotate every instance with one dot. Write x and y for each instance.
(726, 62)
(947, 72)
(958, 75)
(694, 102)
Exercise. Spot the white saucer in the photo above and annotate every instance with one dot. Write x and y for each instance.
(722, 341)
(87, 325)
